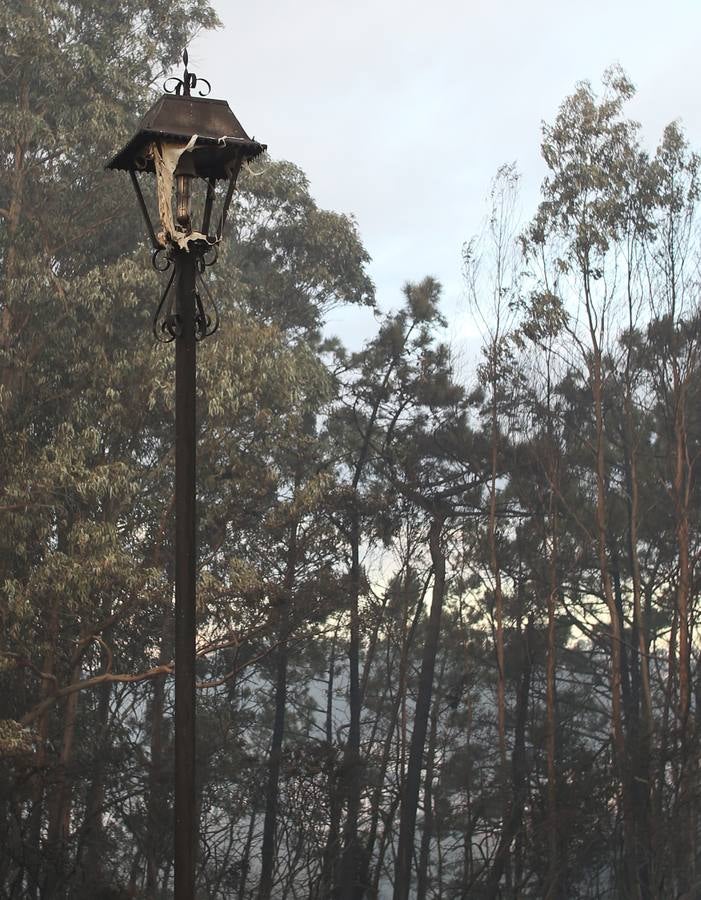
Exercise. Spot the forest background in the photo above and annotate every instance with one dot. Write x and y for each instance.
(448, 617)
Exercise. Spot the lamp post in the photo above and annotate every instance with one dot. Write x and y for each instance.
(186, 142)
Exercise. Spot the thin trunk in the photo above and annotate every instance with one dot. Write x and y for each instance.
(385, 838)
(267, 856)
(665, 731)
(38, 782)
(350, 875)
(13, 221)
(641, 740)
(427, 830)
(246, 857)
(627, 693)
(641, 737)
(553, 884)
(685, 854)
(468, 856)
(410, 793)
(378, 792)
(631, 884)
(519, 784)
(157, 790)
(498, 604)
(92, 837)
(372, 649)
(59, 811)
(332, 786)
(639, 620)
(350, 888)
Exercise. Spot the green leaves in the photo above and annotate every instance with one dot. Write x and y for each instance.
(295, 262)
(592, 154)
(544, 318)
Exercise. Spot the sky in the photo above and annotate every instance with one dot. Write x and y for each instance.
(400, 113)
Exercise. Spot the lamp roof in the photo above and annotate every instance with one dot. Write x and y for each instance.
(220, 136)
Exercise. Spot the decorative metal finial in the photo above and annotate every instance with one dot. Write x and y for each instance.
(182, 86)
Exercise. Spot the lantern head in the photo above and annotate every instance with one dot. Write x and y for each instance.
(186, 141)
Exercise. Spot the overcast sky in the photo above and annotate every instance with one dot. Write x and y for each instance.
(401, 112)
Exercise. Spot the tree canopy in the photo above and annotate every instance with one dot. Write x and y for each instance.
(447, 619)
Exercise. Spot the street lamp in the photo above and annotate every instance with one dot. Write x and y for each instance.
(190, 143)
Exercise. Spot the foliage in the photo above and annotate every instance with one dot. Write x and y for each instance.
(455, 617)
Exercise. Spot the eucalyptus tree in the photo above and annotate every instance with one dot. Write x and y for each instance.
(592, 154)
(86, 433)
(72, 77)
(493, 274)
(674, 335)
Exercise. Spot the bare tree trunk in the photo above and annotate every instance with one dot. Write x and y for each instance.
(631, 883)
(385, 839)
(350, 889)
(157, 788)
(665, 731)
(629, 712)
(686, 857)
(92, 835)
(427, 830)
(349, 872)
(38, 781)
(59, 806)
(642, 726)
(267, 855)
(13, 220)
(553, 884)
(246, 857)
(328, 864)
(514, 817)
(498, 601)
(378, 792)
(410, 792)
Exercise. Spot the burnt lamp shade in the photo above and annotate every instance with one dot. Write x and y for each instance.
(181, 139)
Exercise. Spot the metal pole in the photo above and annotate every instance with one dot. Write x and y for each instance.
(185, 566)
